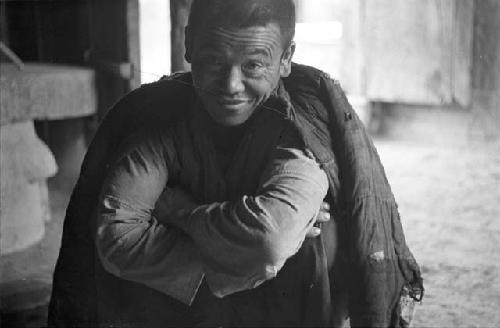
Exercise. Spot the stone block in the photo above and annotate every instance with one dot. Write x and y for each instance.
(25, 164)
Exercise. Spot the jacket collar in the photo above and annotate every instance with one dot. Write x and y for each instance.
(280, 101)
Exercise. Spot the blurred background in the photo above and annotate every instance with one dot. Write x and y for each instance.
(423, 75)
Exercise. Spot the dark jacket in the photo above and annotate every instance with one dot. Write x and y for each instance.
(374, 263)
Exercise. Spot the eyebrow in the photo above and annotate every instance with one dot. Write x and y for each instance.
(259, 51)
(254, 51)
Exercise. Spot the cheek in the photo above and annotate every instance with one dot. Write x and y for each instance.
(264, 86)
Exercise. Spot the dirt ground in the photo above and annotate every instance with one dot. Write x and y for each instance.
(449, 199)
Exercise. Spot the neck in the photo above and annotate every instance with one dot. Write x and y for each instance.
(227, 138)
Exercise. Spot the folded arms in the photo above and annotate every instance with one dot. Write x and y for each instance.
(236, 245)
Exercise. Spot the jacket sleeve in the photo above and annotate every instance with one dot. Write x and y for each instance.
(130, 241)
(245, 242)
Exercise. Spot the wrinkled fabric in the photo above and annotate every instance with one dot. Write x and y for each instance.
(372, 245)
(315, 287)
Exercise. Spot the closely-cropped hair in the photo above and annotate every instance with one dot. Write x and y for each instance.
(244, 13)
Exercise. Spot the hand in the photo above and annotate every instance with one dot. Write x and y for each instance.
(173, 205)
(322, 216)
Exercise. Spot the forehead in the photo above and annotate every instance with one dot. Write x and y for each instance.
(267, 38)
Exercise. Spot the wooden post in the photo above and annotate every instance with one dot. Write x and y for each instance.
(4, 35)
(114, 48)
(179, 12)
(133, 43)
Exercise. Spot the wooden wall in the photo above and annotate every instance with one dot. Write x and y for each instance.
(486, 69)
(419, 51)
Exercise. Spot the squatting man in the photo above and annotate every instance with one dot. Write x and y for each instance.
(205, 198)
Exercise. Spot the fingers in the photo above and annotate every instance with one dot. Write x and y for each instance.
(322, 216)
(324, 213)
(313, 232)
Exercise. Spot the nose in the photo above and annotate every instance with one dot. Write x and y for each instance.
(234, 81)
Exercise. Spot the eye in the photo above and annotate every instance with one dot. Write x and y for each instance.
(253, 66)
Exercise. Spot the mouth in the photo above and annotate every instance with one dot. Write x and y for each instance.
(230, 102)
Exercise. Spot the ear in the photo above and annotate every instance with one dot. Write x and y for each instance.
(188, 44)
(286, 60)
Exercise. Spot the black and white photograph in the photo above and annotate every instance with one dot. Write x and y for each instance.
(249, 163)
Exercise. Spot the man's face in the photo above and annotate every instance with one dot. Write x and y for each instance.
(236, 69)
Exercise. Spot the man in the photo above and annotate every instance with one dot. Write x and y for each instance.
(198, 192)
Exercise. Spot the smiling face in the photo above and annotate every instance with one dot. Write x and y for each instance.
(236, 69)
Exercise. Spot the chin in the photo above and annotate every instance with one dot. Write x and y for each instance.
(230, 121)
(228, 117)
